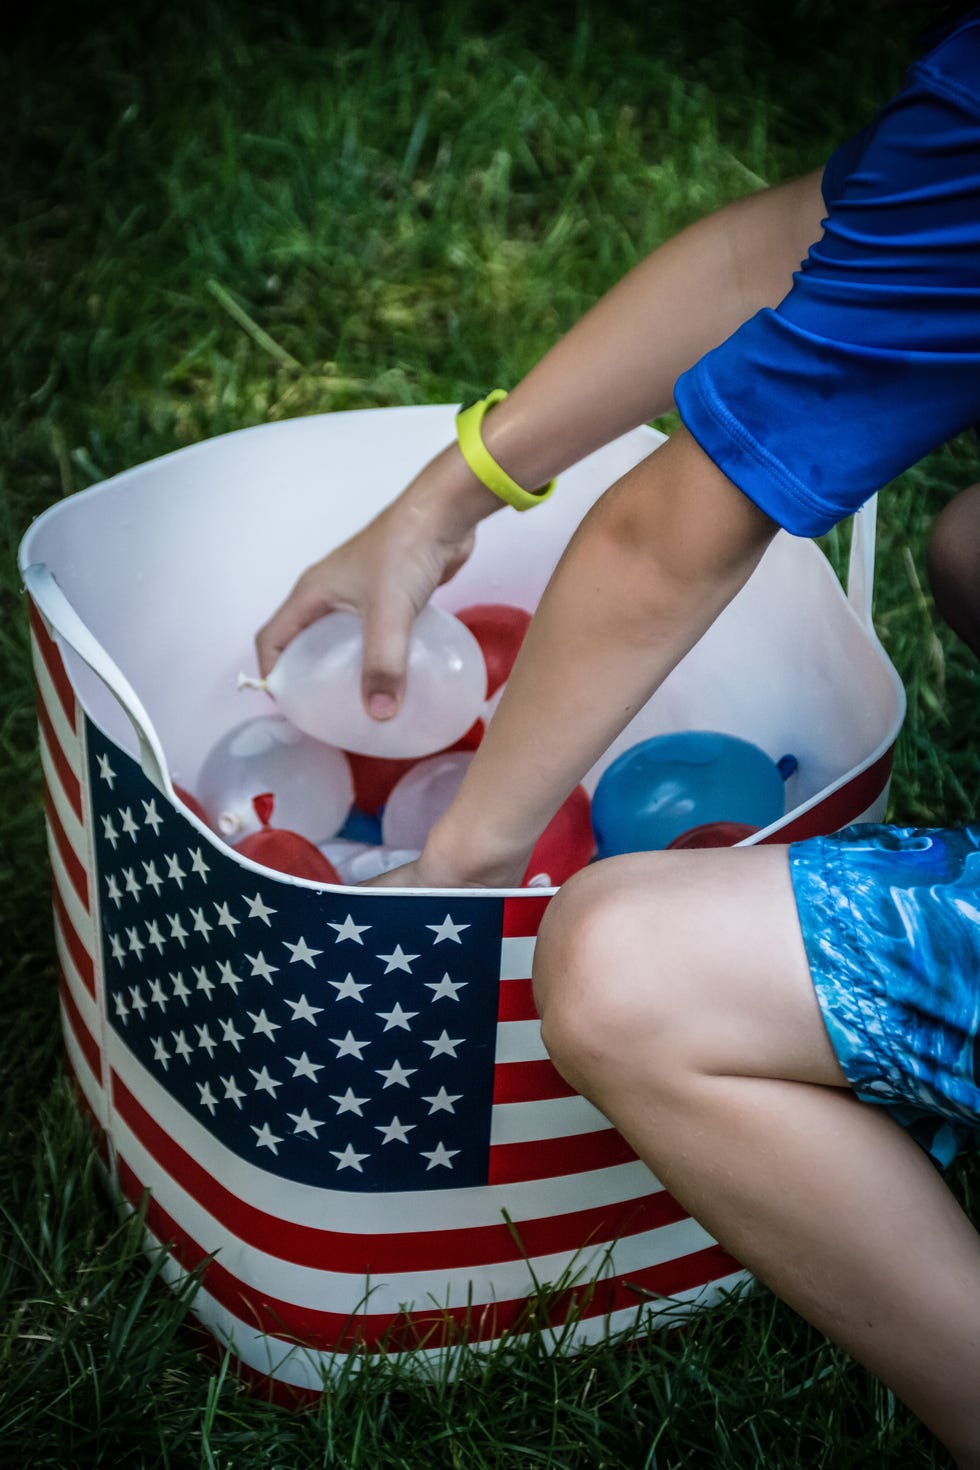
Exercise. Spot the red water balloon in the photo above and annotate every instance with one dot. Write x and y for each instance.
(192, 804)
(499, 629)
(567, 843)
(713, 834)
(285, 851)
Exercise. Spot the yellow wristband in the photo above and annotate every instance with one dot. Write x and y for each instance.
(482, 463)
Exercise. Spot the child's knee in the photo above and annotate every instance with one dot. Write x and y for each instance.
(953, 564)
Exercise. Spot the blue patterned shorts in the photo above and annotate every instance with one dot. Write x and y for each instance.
(891, 924)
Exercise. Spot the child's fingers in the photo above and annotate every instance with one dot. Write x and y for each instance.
(387, 632)
(302, 607)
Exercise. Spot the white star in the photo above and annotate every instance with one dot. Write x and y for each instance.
(153, 935)
(113, 890)
(118, 952)
(203, 983)
(177, 930)
(395, 1132)
(303, 1011)
(349, 930)
(349, 1159)
(174, 870)
(262, 1026)
(233, 1092)
(258, 909)
(263, 1082)
(136, 1000)
(106, 772)
(306, 1124)
(157, 997)
(128, 824)
(447, 930)
(265, 1138)
(136, 944)
(225, 918)
(109, 832)
(160, 1052)
(152, 817)
(230, 1034)
(398, 961)
(198, 865)
(443, 1101)
(228, 976)
(152, 878)
(443, 1047)
(348, 988)
(396, 1075)
(349, 1103)
(396, 1017)
(205, 1039)
(349, 1047)
(132, 885)
(201, 925)
(260, 966)
(208, 1099)
(182, 1046)
(446, 989)
(303, 1067)
(439, 1155)
(301, 953)
(180, 989)
(122, 1009)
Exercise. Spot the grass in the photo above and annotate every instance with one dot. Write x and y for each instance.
(216, 215)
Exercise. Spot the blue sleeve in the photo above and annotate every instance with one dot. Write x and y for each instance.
(873, 358)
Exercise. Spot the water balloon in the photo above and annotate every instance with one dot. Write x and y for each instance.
(499, 628)
(566, 844)
(311, 782)
(282, 850)
(420, 798)
(662, 787)
(316, 683)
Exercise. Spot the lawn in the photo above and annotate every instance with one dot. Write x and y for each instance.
(216, 215)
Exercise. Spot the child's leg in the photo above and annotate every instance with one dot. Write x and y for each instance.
(675, 993)
(954, 565)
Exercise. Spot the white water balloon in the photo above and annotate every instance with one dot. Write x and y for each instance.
(419, 799)
(311, 782)
(316, 683)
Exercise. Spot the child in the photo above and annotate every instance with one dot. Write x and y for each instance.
(735, 1012)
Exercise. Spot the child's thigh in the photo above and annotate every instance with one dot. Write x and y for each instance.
(695, 955)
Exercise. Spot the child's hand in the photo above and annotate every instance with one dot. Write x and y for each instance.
(386, 573)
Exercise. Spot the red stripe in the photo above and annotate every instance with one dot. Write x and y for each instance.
(80, 956)
(522, 916)
(528, 1082)
(73, 863)
(841, 806)
(516, 1001)
(363, 1255)
(549, 1158)
(51, 654)
(69, 781)
(87, 1043)
(324, 1331)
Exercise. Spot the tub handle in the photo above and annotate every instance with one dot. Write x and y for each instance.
(57, 611)
(861, 563)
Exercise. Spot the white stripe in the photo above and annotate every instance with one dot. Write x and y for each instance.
(74, 830)
(80, 1066)
(554, 1117)
(520, 1041)
(304, 1368)
(372, 1213)
(420, 1290)
(64, 733)
(79, 915)
(515, 958)
(90, 1012)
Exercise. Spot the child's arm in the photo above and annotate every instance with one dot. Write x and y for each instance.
(615, 369)
(647, 571)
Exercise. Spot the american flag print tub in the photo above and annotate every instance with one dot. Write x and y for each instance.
(338, 1098)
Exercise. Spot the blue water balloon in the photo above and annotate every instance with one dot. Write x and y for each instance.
(665, 785)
